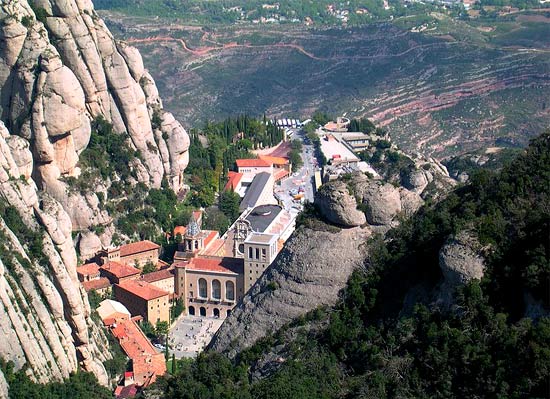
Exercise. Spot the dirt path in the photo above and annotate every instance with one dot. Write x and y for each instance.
(202, 51)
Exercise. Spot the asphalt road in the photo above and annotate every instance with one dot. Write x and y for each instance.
(301, 179)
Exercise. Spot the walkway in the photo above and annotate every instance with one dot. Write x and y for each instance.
(190, 334)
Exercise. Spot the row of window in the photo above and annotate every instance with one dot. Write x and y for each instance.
(216, 289)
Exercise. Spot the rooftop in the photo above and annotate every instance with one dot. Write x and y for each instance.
(145, 359)
(262, 216)
(120, 270)
(142, 289)
(109, 309)
(255, 190)
(180, 230)
(137, 247)
(257, 163)
(97, 284)
(274, 160)
(234, 180)
(260, 238)
(214, 264)
(335, 151)
(88, 269)
(280, 174)
(157, 276)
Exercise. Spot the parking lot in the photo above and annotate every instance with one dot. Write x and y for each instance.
(190, 335)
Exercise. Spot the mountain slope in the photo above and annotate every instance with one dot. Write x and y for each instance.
(452, 303)
(65, 85)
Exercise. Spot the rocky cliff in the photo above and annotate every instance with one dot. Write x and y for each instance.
(61, 70)
(318, 259)
(44, 313)
(309, 272)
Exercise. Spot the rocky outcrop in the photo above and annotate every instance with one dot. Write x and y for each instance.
(60, 72)
(382, 202)
(299, 281)
(44, 313)
(338, 206)
(61, 69)
(460, 261)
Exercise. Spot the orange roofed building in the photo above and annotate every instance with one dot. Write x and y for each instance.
(117, 272)
(87, 272)
(136, 253)
(147, 363)
(234, 182)
(142, 298)
(210, 286)
(252, 167)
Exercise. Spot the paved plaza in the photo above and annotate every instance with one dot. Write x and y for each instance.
(190, 334)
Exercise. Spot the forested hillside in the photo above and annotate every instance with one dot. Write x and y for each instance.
(409, 326)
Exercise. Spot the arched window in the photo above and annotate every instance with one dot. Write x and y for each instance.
(229, 291)
(216, 289)
(202, 311)
(216, 312)
(203, 290)
(191, 311)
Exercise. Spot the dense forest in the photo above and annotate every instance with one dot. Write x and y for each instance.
(79, 385)
(370, 345)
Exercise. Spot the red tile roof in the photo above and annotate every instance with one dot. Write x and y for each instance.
(129, 391)
(234, 180)
(142, 289)
(157, 276)
(137, 247)
(274, 160)
(280, 174)
(197, 215)
(252, 163)
(145, 359)
(214, 248)
(211, 237)
(88, 269)
(98, 284)
(214, 264)
(120, 270)
(180, 230)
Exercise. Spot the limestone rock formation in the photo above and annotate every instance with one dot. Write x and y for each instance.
(460, 259)
(382, 203)
(297, 282)
(410, 201)
(44, 313)
(61, 69)
(338, 206)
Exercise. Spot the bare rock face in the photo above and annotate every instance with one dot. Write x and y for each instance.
(297, 282)
(338, 206)
(460, 259)
(44, 316)
(417, 180)
(410, 201)
(382, 203)
(54, 81)
(89, 244)
(460, 262)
